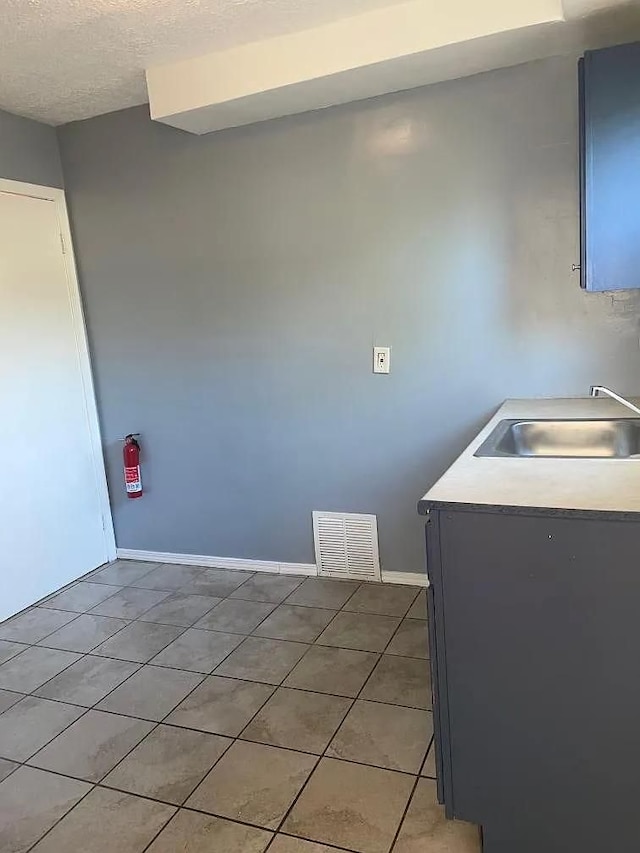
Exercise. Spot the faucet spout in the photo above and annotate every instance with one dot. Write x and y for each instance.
(597, 390)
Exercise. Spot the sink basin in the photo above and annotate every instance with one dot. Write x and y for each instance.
(565, 439)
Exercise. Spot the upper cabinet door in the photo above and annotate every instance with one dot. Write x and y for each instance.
(610, 168)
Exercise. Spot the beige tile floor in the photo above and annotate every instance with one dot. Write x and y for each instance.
(171, 708)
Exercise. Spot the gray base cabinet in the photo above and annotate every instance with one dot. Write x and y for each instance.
(535, 631)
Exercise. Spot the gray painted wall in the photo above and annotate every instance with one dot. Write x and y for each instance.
(29, 151)
(236, 283)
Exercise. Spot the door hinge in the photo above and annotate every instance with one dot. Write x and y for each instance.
(64, 248)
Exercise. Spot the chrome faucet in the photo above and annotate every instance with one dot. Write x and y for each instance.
(596, 390)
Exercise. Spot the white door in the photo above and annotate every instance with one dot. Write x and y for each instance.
(52, 506)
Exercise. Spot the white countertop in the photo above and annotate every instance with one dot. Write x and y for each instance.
(599, 485)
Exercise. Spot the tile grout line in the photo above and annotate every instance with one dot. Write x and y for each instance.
(86, 709)
(380, 656)
(61, 818)
(177, 808)
(404, 814)
(280, 685)
(182, 807)
(205, 676)
(324, 752)
(149, 662)
(194, 626)
(89, 577)
(42, 605)
(85, 654)
(121, 587)
(32, 692)
(331, 621)
(276, 687)
(153, 567)
(94, 785)
(294, 802)
(156, 724)
(426, 755)
(94, 707)
(277, 605)
(213, 674)
(402, 619)
(84, 714)
(161, 722)
(280, 834)
(161, 830)
(24, 764)
(238, 737)
(42, 601)
(184, 590)
(325, 756)
(91, 653)
(415, 784)
(140, 665)
(88, 612)
(94, 650)
(44, 637)
(137, 618)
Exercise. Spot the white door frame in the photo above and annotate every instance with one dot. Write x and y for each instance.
(82, 345)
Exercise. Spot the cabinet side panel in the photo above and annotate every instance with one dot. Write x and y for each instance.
(611, 159)
(438, 663)
(435, 691)
(582, 153)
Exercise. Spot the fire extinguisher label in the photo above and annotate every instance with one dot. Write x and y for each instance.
(132, 479)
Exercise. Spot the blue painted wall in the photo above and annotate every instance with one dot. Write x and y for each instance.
(29, 151)
(235, 285)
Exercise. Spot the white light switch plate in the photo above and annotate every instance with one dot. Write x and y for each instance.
(381, 359)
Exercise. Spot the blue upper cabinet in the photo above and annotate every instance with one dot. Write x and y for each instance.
(610, 168)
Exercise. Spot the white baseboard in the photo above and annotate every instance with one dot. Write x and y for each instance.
(218, 562)
(239, 564)
(298, 569)
(408, 578)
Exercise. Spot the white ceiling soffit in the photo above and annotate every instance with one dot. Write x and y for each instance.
(384, 50)
(380, 51)
(65, 60)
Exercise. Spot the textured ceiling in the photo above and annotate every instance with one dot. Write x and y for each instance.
(62, 60)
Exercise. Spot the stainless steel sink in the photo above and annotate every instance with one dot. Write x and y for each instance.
(582, 439)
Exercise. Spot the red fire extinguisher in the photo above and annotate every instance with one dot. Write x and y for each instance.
(132, 478)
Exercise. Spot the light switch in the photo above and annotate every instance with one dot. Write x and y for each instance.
(381, 359)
